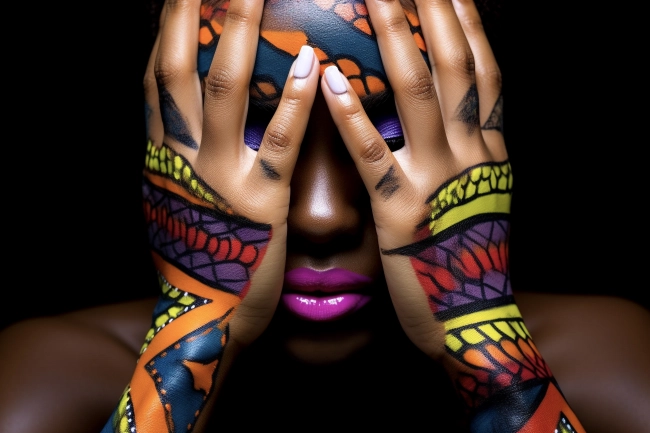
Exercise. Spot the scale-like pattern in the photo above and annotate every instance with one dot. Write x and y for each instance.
(172, 304)
(460, 256)
(467, 267)
(496, 351)
(167, 163)
(216, 249)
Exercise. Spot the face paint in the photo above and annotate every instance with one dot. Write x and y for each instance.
(341, 35)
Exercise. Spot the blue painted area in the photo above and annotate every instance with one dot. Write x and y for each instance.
(177, 380)
(509, 411)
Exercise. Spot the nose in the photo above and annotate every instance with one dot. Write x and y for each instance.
(328, 200)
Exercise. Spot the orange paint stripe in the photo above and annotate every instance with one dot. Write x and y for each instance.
(180, 279)
(147, 407)
(547, 414)
(175, 188)
(189, 321)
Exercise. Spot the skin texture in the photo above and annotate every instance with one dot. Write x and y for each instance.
(303, 346)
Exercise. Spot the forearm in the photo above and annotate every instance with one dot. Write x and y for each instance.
(205, 258)
(461, 260)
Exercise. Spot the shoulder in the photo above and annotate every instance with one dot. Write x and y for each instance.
(69, 368)
(598, 348)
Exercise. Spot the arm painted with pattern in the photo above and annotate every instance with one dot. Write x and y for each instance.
(205, 256)
(461, 261)
(445, 254)
(215, 211)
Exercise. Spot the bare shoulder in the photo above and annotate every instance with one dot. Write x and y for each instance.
(69, 369)
(598, 348)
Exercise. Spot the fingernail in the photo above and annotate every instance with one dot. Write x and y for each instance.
(335, 80)
(304, 62)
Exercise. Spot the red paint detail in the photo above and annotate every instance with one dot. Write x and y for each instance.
(248, 254)
(494, 255)
(213, 244)
(222, 252)
(472, 268)
(483, 258)
(502, 380)
(235, 248)
(191, 237)
(201, 238)
(443, 277)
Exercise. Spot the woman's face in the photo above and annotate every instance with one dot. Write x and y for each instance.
(334, 298)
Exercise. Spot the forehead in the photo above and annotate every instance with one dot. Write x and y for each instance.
(338, 30)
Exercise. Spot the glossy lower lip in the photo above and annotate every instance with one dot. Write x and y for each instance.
(324, 308)
(324, 295)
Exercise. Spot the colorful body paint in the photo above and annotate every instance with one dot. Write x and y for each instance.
(205, 256)
(338, 30)
(495, 121)
(460, 257)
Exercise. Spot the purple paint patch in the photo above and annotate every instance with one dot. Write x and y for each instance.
(231, 275)
(388, 126)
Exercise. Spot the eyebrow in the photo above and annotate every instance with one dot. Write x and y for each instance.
(369, 102)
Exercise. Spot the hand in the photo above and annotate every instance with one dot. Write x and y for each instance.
(451, 121)
(441, 205)
(216, 211)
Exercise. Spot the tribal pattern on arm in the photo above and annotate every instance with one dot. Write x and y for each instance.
(460, 257)
(205, 256)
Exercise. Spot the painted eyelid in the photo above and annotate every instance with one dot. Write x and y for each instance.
(253, 134)
(388, 126)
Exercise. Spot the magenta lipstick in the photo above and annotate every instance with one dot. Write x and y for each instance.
(324, 295)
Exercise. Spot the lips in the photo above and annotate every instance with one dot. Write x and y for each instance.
(321, 296)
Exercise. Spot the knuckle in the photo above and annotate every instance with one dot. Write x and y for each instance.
(461, 59)
(220, 83)
(372, 150)
(179, 5)
(394, 24)
(277, 137)
(472, 25)
(149, 83)
(166, 72)
(417, 84)
(434, 4)
(237, 16)
(490, 76)
(291, 100)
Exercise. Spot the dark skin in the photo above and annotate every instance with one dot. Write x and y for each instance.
(118, 330)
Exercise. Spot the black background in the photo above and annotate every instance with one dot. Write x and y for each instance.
(75, 146)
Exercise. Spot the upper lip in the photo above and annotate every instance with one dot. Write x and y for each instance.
(334, 280)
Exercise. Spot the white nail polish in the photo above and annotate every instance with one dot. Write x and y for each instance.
(335, 80)
(304, 62)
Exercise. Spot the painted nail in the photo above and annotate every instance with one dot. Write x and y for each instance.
(335, 80)
(304, 62)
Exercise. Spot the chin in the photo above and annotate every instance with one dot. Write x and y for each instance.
(333, 342)
(327, 349)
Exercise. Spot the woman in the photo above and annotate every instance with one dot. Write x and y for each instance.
(359, 222)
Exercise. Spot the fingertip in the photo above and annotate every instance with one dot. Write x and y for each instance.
(335, 80)
(304, 63)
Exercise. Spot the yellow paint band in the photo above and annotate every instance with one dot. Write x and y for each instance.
(505, 312)
(495, 203)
